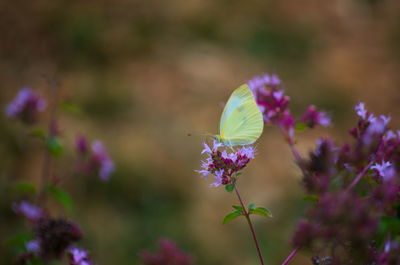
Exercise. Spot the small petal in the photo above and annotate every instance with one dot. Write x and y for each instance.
(361, 111)
(384, 169)
(206, 149)
(218, 178)
(385, 119)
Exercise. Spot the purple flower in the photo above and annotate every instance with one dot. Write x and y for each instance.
(224, 165)
(78, 256)
(360, 110)
(287, 123)
(102, 160)
(33, 246)
(271, 101)
(55, 235)
(313, 118)
(385, 169)
(31, 212)
(81, 145)
(169, 254)
(218, 175)
(26, 106)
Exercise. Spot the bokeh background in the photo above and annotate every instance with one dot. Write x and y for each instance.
(145, 74)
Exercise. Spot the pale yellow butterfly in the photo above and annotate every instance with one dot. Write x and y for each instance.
(241, 121)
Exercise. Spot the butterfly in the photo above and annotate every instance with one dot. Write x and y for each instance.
(241, 121)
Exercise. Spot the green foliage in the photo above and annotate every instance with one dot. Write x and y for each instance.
(70, 108)
(238, 208)
(54, 146)
(300, 126)
(38, 132)
(229, 188)
(253, 209)
(24, 187)
(62, 197)
(311, 198)
(231, 216)
(18, 240)
(389, 225)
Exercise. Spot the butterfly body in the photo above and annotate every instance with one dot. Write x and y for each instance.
(241, 121)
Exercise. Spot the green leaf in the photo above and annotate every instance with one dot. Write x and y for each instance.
(54, 146)
(230, 216)
(70, 108)
(300, 127)
(239, 208)
(390, 225)
(18, 240)
(24, 187)
(229, 188)
(38, 132)
(261, 211)
(311, 198)
(62, 197)
(252, 206)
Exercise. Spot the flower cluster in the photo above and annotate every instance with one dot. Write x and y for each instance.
(95, 159)
(224, 165)
(26, 106)
(169, 254)
(53, 237)
(30, 211)
(356, 188)
(274, 104)
(78, 256)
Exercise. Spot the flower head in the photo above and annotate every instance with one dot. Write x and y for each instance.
(78, 256)
(26, 106)
(312, 117)
(31, 212)
(33, 246)
(271, 100)
(55, 235)
(81, 145)
(225, 164)
(102, 160)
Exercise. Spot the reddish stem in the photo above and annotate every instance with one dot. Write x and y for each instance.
(247, 215)
(46, 166)
(291, 256)
(359, 176)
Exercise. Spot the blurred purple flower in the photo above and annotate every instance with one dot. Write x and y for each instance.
(390, 254)
(312, 117)
(224, 165)
(81, 145)
(31, 212)
(33, 246)
(26, 106)
(55, 235)
(169, 254)
(103, 161)
(78, 256)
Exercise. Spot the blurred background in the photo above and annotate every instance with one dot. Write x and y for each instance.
(145, 74)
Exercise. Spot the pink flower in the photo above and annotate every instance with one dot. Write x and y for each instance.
(313, 118)
(224, 165)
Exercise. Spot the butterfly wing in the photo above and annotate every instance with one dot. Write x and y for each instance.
(241, 121)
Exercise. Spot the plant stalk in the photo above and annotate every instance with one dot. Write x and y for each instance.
(247, 215)
(291, 256)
